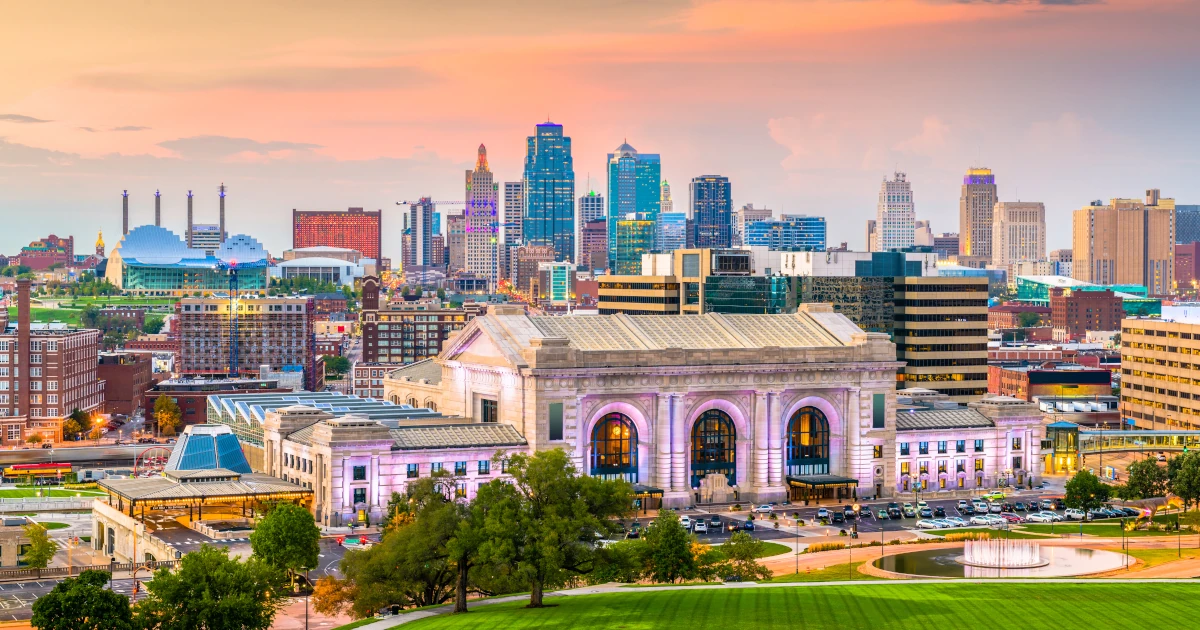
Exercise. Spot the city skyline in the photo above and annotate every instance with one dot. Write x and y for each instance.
(322, 114)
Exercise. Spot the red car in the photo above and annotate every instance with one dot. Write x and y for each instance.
(1011, 518)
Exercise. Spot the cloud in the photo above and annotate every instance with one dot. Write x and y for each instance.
(18, 118)
(932, 140)
(88, 129)
(1055, 3)
(280, 79)
(217, 147)
(129, 128)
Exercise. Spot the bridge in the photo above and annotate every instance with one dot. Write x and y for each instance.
(1094, 442)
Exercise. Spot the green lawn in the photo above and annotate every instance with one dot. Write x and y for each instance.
(29, 493)
(356, 624)
(834, 573)
(1155, 557)
(995, 533)
(1102, 530)
(768, 549)
(947, 605)
(51, 525)
(46, 315)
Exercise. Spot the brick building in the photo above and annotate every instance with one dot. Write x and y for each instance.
(135, 315)
(327, 303)
(1073, 313)
(403, 331)
(1048, 379)
(1187, 267)
(593, 244)
(331, 344)
(527, 259)
(126, 377)
(46, 372)
(1009, 315)
(41, 254)
(192, 395)
(353, 229)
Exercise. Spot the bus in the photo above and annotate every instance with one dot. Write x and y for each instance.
(36, 473)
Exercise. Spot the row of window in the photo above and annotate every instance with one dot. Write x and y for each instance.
(35, 345)
(960, 446)
(960, 466)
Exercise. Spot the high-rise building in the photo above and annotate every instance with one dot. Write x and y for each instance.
(672, 231)
(976, 203)
(456, 241)
(665, 204)
(896, 216)
(873, 237)
(712, 212)
(437, 250)
(511, 233)
(1160, 369)
(400, 331)
(437, 223)
(923, 235)
(353, 229)
(635, 236)
(483, 219)
(1018, 232)
(593, 244)
(1187, 224)
(549, 186)
(528, 257)
(1127, 241)
(941, 335)
(591, 208)
(747, 215)
(791, 232)
(420, 230)
(206, 237)
(946, 244)
(634, 187)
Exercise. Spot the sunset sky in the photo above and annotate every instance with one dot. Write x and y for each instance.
(805, 105)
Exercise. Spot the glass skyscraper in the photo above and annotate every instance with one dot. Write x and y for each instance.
(790, 232)
(672, 231)
(549, 217)
(1187, 224)
(712, 212)
(633, 187)
(635, 236)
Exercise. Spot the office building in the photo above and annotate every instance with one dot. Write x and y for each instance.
(1018, 232)
(896, 215)
(151, 260)
(456, 242)
(1073, 313)
(1187, 224)
(437, 251)
(354, 229)
(402, 331)
(420, 230)
(555, 284)
(923, 234)
(511, 231)
(126, 377)
(634, 236)
(712, 212)
(42, 253)
(593, 244)
(46, 372)
(278, 332)
(872, 242)
(206, 237)
(549, 186)
(1032, 382)
(745, 216)
(483, 219)
(790, 232)
(868, 301)
(528, 257)
(1126, 241)
(1062, 261)
(591, 208)
(672, 231)
(1036, 290)
(1187, 267)
(862, 264)
(634, 187)
(332, 270)
(695, 281)
(941, 334)
(1013, 314)
(946, 244)
(665, 203)
(976, 204)
(1160, 372)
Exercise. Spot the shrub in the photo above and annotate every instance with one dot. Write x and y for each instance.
(963, 536)
(829, 546)
(737, 507)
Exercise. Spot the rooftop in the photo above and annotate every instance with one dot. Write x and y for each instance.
(427, 370)
(151, 245)
(251, 409)
(475, 435)
(932, 419)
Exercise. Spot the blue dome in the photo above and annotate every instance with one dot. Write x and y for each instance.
(151, 244)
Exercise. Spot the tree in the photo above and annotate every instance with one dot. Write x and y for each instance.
(287, 538)
(336, 365)
(211, 591)
(166, 415)
(332, 597)
(742, 553)
(82, 603)
(622, 561)
(40, 550)
(1145, 479)
(542, 528)
(1183, 472)
(669, 556)
(153, 325)
(34, 438)
(1086, 492)
(71, 429)
(468, 537)
(1028, 320)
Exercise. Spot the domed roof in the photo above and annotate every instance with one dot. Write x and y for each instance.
(151, 244)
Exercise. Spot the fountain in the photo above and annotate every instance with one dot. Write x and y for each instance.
(1003, 554)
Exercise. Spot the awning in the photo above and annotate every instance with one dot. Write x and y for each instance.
(640, 491)
(817, 481)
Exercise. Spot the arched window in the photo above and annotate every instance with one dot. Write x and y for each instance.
(714, 447)
(430, 405)
(614, 448)
(395, 399)
(808, 443)
(411, 402)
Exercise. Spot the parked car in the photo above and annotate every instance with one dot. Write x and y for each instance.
(685, 522)
(1020, 506)
(1059, 504)
(893, 510)
(922, 504)
(980, 507)
(748, 526)
(1073, 514)
(700, 527)
(962, 503)
(939, 512)
(1007, 507)
(995, 508)
(943, 523)
(848, 511)
(762, 509)
(925, 512)
(995, 520)
(47, 445)
(733, 526)
(883, 515)
(909, 511)
(715, 522)
(980, 520)
(864, 511)
(823, 513)
(1040, 517)
(956, 521)
(838, 517)
(1047, 504)
(926, 524)
(1011, 517)
(967, 510)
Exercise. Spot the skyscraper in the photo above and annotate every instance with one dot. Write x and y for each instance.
(456, 242)
(483, 219)
(634, 186)
(873, 237)
(635, 236)
(591, 208)
(1127, 241)
(1187, 224)
(352, 229)
(1018, 232)
(896, 217)
(672, 231)
(712, 216)
(747, 215)
(511, 234)
(664, 199)
(549, 184)
(593, 244)
(420, 230)
(975, 205)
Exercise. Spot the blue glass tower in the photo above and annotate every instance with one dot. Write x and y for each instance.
(633, 187)
(549, 217)
(712, 212)
(791, 232)
(672, 231)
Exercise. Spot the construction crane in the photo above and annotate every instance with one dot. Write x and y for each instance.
(233, 319)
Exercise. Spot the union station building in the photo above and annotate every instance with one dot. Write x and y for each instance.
(690, 409)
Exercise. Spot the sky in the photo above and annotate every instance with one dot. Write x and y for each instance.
(805, 105)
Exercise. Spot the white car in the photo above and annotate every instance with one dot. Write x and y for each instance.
(956, 521)
(926, 524)
(762, 509)
(980, 507)
(685, 522)
(943, 523)
(982, 519)
(996, 520)
(822, 513)
(1073, 514)
(962, 503)
(1040, 517)
(700, 527)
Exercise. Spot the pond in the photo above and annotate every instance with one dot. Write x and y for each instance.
(1061, 562)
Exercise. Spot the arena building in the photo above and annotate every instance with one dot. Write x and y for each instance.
(151, 260)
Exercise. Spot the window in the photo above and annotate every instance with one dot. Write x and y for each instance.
(460, 469)
(978, 446)
(504, 465)
(960, 446)
(360, 495)
(435, 467)
(460, 490)
(489, 410)
(904, 448)
(924, 468)
(35, 372)
(556, 421)
(485, 467)
(414, 471)
(923, 448)
(360, 473)
(878, 411)
(903, 468)
(14, 431)
(979, 465)
(1016, 463)
(960, 466)
(941, 448)
(941, 465)
(1016, 444)
(878, 451)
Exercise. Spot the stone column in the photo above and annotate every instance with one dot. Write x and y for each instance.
(373, 479)
(679, 444)
(662, 441)
(761, 449)
(582, 436)
(775, 422)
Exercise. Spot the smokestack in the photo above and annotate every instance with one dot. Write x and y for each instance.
(157, 208)
(124, 212)
(24, 322)
(222, 189)
(189, 228)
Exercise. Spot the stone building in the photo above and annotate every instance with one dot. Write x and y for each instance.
(762, 407)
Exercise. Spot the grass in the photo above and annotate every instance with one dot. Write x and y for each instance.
(697, 583)
(834, 573)
(30, 493)
(768, 549)
(46, 315)
(1155, 557)
(357, 624)
(1100, 530)
(945, 605)
(51, 525)
(994, 533)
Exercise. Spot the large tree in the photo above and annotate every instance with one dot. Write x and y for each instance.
(211, 591)
(669, 556)
(742, 553)
(1145, 479)
(166, 414)
(1086, 492)
(287, 538)
(543, 527)
(82, 603)
(40, 549)
(1183, 472)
